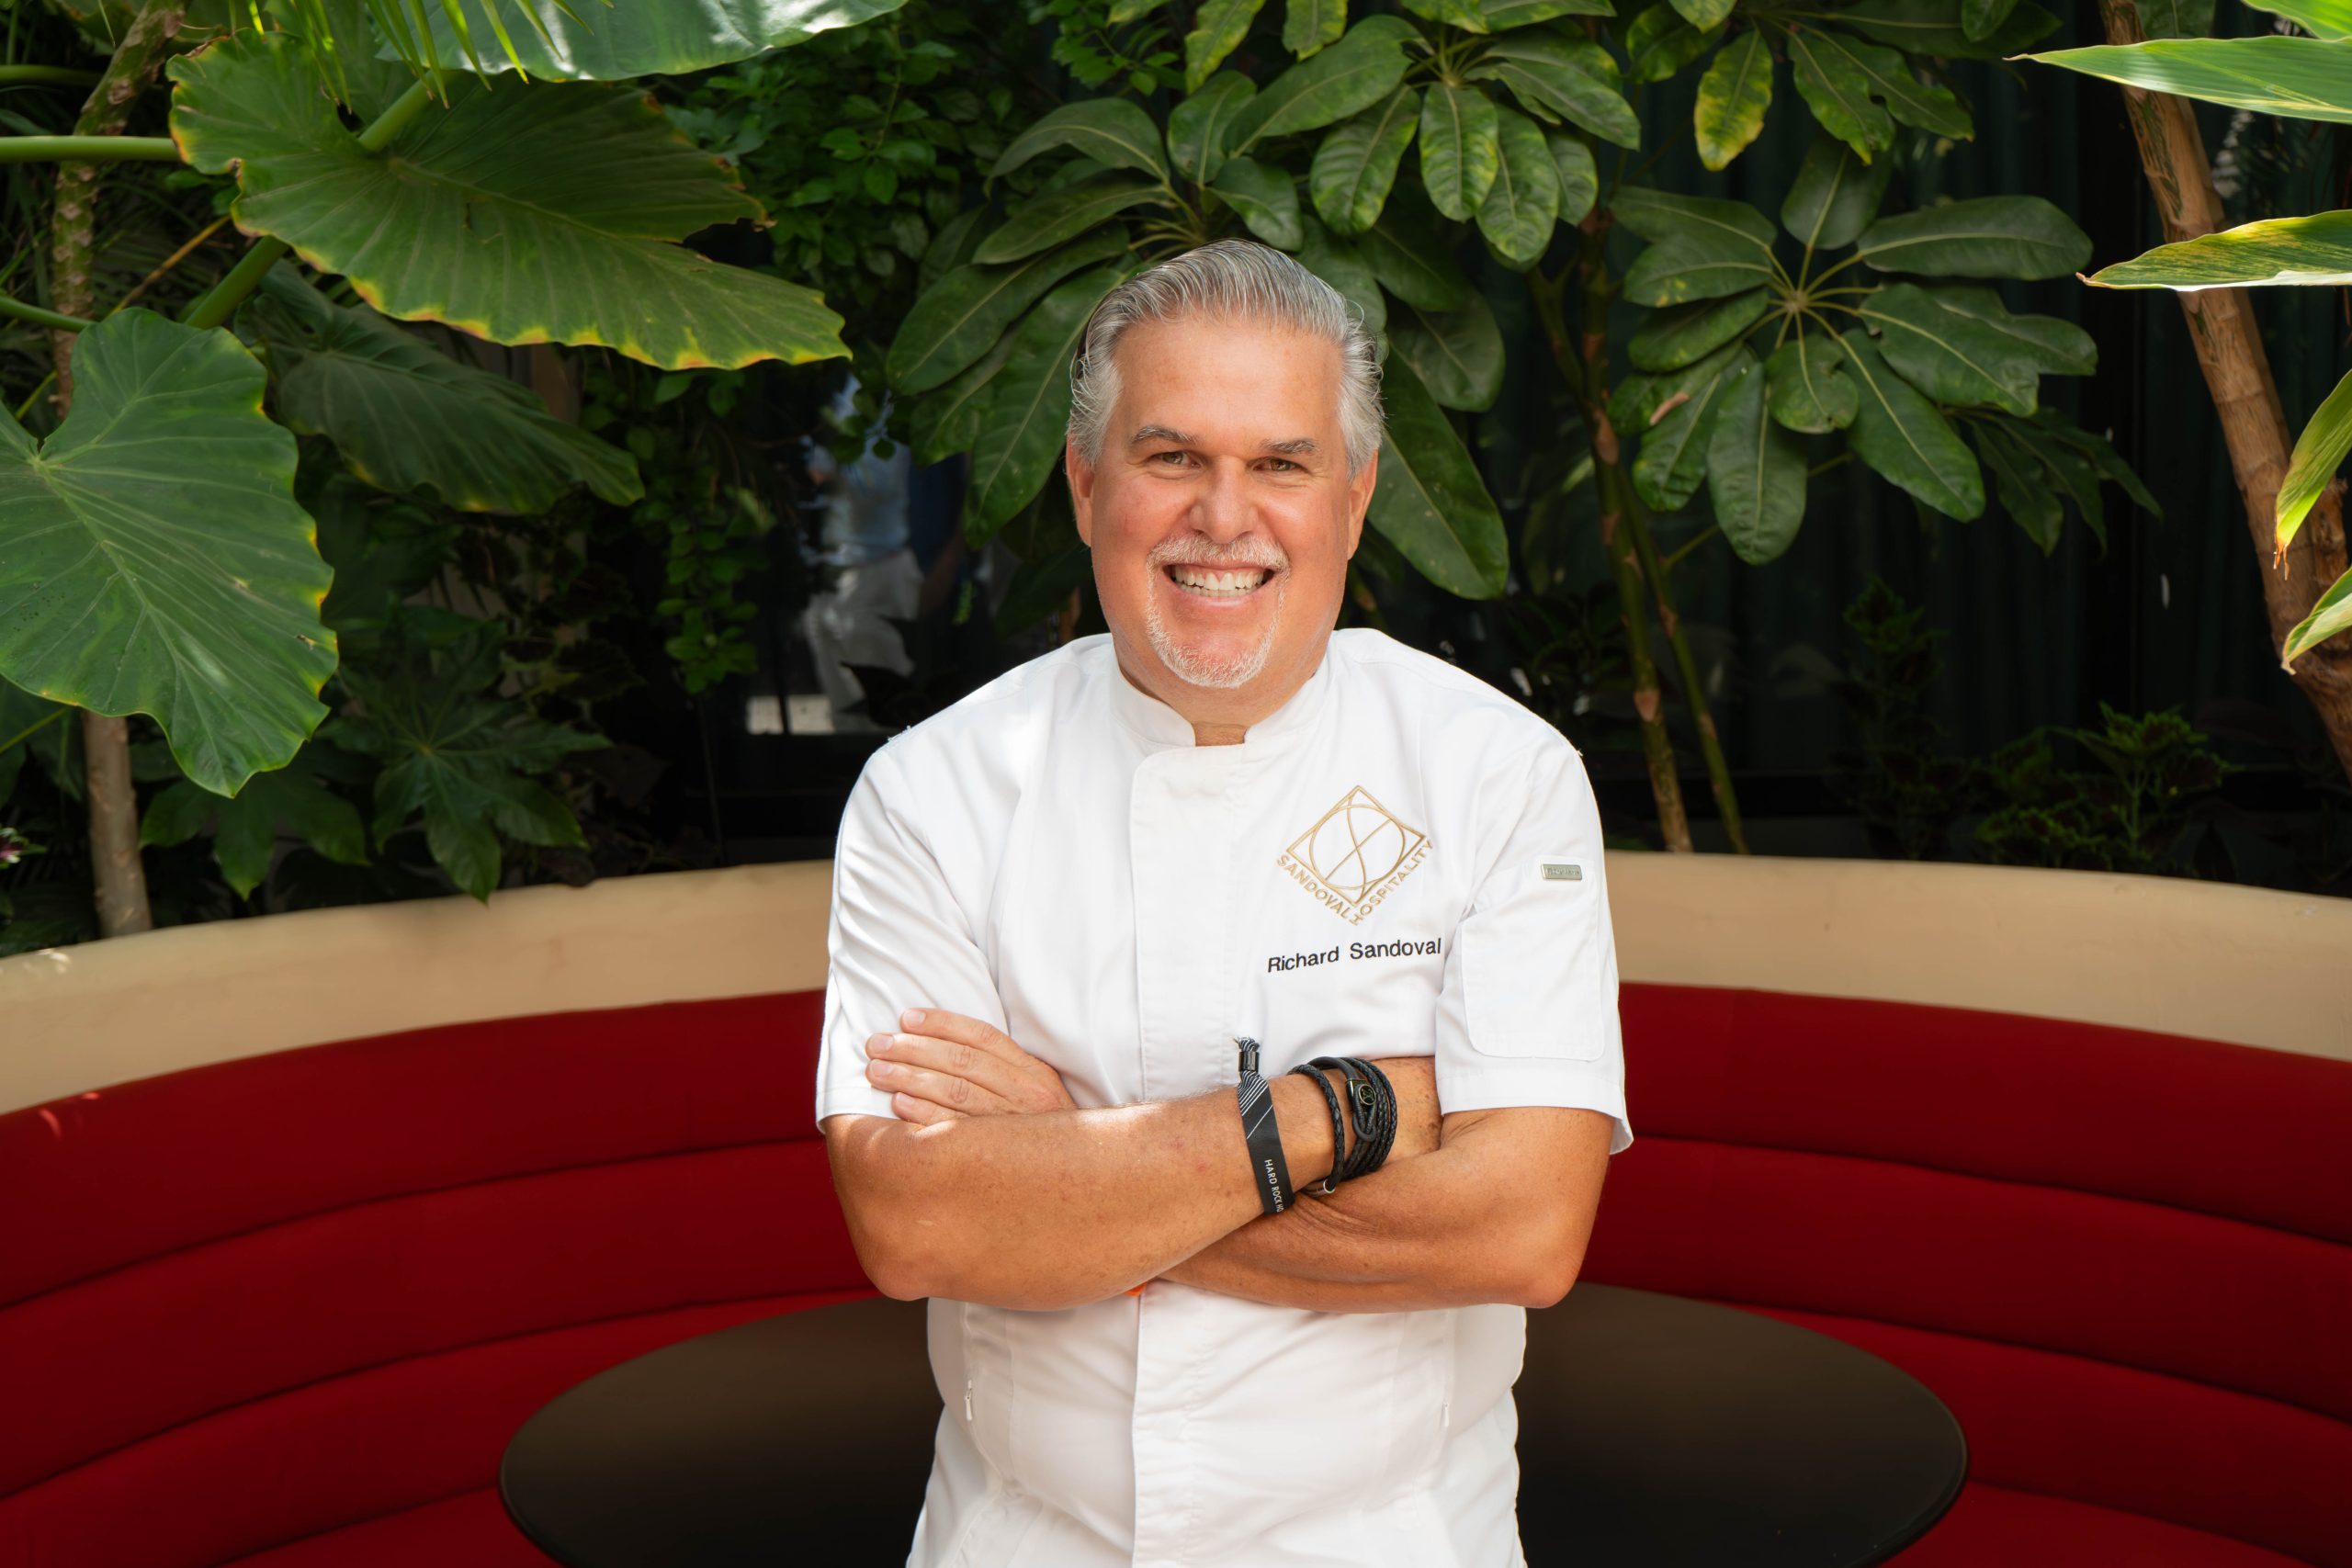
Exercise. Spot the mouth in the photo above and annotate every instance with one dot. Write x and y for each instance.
(1219, 582)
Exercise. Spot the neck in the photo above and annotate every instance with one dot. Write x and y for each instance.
(1218, 717)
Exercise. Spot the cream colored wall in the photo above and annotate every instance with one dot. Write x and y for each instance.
(2222, 962)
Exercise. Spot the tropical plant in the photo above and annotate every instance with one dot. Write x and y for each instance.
(2293, 504)
(1837, 326)
(156, 560)
(2130, 813)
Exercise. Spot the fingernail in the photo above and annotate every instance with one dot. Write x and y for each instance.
(912, 1018)
(880, 1069)
(877, 1042)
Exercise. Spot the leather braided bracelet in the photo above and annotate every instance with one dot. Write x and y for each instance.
(1372, 1099)
(1338, 1126)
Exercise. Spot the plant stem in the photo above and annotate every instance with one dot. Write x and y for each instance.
(87, 150)
(119, 878)
(52, 75)
(55, 320)
(253, 265)
(1583, 363)
(1637, 519)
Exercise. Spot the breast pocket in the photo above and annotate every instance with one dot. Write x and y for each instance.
(1538, 969)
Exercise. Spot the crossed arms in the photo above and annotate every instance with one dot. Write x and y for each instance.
(994, 1187)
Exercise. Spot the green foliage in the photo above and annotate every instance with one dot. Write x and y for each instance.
(1907, 790)
(2132, 812)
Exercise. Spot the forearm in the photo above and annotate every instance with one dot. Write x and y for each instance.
(1501, 1210)
(1061, 1208)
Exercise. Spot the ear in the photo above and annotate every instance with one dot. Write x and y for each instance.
(1360, 490)
(1081, 491)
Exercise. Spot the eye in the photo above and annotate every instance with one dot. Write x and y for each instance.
(1285, 462)
(1180, 456)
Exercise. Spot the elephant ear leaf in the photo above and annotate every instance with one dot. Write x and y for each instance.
(552, 39)
(407, 418)
(589, 184)
(158, 523)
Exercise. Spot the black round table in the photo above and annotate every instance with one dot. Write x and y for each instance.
(1654, 1432)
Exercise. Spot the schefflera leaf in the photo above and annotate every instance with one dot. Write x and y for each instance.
(408, 418)
(155, 559)
(536, 213)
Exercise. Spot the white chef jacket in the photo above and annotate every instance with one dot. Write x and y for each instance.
(1400, 860)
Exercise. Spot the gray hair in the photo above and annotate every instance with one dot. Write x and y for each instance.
(1227, 280)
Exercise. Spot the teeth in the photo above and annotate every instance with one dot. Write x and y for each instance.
(1219, 582)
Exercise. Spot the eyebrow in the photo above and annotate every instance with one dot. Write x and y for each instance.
(1297, 445)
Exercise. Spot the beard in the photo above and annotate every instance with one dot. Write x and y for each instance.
(1193, 666)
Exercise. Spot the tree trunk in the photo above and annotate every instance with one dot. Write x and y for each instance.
(2237, 374)
(119, 881)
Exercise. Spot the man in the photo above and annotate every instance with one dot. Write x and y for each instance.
(1087, 879)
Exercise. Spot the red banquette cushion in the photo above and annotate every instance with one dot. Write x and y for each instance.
(287, 1309)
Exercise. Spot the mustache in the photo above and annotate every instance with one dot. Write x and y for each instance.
(1193, 550)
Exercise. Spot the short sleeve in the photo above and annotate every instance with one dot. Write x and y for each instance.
(896, 939)
(1527, 1011)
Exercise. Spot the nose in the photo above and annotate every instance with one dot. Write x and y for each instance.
(1223, 510)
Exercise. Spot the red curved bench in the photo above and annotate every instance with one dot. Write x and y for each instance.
(286, 1310)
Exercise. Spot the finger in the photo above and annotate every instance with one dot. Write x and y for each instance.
(952, 1059)
(909, 1108)
(964, 1030)
(941, 1089)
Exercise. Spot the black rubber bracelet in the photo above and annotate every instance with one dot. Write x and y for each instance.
(1339, 1127)
(1267, 1167)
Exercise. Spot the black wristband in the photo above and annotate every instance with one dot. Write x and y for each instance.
(1267, 1168)
(1339, 1127)
(1384, 1115)
(1372, 1099)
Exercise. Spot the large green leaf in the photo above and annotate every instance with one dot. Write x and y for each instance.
(1112, 131)
(293, 799)
(953, 324)
(1666, 214)
(1310, 25)
(1684, 268)
(1351, 76)
(1199, 127)
(1659, 43)
(1835, 195)
(2294, 78)
(1992, 236)
(1755, 472)
(154, 558)
(2066, 456)
(947, 420)
(1060, 214)
(1028, 413)
(1557, 78)
(1412, 260)
(1523, 204)
(1845, 81)
(1460, 149)
(1673, 459)
(2320, 18)
(1266, 197)
(406, 417)
(2060, 347)
(1706, 15)
(1805, 387)
(1684, 334)
(1906, 439)
(2300, 252)
(460, 756)
(2173, 19)
(1939, 28)
(1954, 357)
(1340, 262)
(1734, 95)
(1218, 27)
(1501, 16)
(1458, 354)
(2330, 616)
(534, 213)
(2319, 452)
(1981, 18)
(1355, 167)
(2022, 483)
(630, 38)
(1580, 177)
(1429, 502)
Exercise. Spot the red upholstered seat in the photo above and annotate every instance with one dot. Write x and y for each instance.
(287, 1309)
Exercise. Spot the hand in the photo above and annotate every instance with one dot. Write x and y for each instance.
(946, 1065)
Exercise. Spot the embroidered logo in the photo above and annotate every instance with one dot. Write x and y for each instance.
(1354, 856)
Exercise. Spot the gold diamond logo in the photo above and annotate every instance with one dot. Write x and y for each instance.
(1354, 856)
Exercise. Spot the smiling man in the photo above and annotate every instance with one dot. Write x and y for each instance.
(1060, 904)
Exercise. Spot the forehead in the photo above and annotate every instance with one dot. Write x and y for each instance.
(1227, 377)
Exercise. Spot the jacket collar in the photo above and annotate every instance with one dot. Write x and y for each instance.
(1159, 725)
